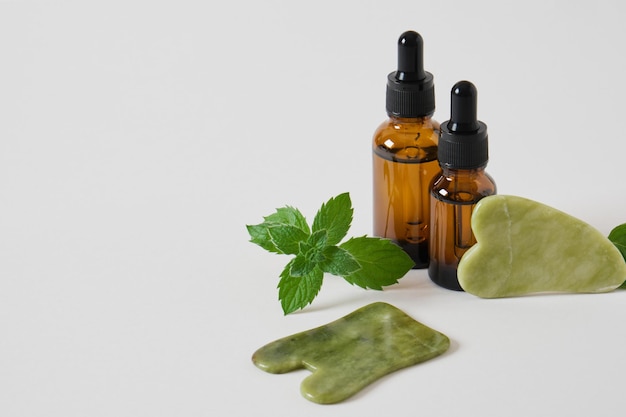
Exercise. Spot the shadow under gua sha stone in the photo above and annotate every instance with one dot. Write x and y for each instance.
(350, 353)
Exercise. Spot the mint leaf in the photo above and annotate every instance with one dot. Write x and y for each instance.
(366, 262)
(382, 262)
(306, 260)
(335, 217)
(302, 264)
(260, 235)
(310, 254)
(338, 261)
(285, 216)
(287, 238)
(288, 215)
(618, 237)
(296, 293)
(318, 239)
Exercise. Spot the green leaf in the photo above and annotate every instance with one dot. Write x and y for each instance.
(301, 265)
(305, 261)
(288, 215)
(285, 216)
(296, 293)
(310, 255)
(338, 261)
(287, 238)
(366, 262)
(382, 262)
(318, 239)
(261, 236)
(335, 217)
(618, 237)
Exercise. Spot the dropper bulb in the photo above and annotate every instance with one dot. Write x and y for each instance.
(410, 57)
(410, 89)
(463, 108)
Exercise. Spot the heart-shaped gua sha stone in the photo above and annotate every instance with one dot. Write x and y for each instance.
(525, 247)
(352, 352)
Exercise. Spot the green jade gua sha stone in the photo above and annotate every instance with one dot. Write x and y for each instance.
(525, 247)
(352, 352)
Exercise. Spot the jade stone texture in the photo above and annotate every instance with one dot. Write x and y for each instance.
(525, 247)
(352, 352)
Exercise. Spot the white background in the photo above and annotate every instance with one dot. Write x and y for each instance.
(138, 139)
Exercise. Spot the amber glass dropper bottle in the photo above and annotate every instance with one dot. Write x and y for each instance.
(405, 153)
(463, 155)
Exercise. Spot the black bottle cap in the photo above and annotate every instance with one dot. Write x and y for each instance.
(463, 143)
(410, 89)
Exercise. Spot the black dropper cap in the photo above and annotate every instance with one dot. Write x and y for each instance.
(410, 89)
(463, 141)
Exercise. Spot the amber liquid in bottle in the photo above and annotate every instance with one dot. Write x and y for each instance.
(454, 195)
(405, 163)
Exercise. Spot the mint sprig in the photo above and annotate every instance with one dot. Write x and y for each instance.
(618, 237)
(368, 262)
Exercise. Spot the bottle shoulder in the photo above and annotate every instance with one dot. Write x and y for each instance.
(406, 130)
(407, 139)
(464, 188)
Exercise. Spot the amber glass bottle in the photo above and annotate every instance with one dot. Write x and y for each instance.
(405, 153)
(463, 156)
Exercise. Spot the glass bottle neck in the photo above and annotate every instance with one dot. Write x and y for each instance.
(456, 172)
(422, 119)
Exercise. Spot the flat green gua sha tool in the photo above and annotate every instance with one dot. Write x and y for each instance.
(352, 352)
(525, 247)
